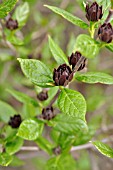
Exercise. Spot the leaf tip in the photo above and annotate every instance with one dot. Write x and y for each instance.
(19, 59)
(45, 5)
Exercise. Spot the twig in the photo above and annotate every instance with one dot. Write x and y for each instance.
(109, 16)
(81, 60)
(29, 148)
(90, 145)
(54, 99)
(7, 43)
(75, 148)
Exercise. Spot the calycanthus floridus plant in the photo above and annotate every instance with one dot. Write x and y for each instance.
(62, 109)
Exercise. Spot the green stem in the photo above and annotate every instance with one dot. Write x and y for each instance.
(92, 30)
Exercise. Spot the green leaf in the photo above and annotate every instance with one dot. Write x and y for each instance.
(56, 51)
(84, 137)
(15, 40)
(21, 14)
(87, 46)
(94, 77)
(30, 129)
(69, 125)
(5, 159)
(106, 4)
(6, 7)
(66, 141)
(61, 162)
(54, 164)
(44, 144)
(110, 46)
(30, 111)
(6, 111)
(16, 162)
(71, 18)
(22, 97)
(37, 72)
(72, 103)
(14, 146)
(71, 44)
(104, 149)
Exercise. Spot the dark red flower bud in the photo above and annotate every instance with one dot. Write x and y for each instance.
(47, 113)
(94, 12)
(74, 58)
(63, 75)
(15, 121)
(105, 32)
(11, 24)
(42, 96)
(30, 56)
(57, 150)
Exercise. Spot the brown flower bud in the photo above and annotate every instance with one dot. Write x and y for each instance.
(63, 75)
(42, 96)
(15, 121)
(57, 150)
(74, 58)
(30, 56)
(11, 24)
(105, 32)
(94, 12)
(47, 113)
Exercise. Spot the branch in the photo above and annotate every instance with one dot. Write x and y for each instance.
(7, 43)
(75, 148)
(109, 16)
(54, 98)
(90, 145)
(81, 60)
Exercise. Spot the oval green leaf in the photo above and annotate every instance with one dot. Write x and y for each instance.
(5, 159)
(37, 72)
(87, 46)
(6, 111)
(68, 124)
(22, 97)
(94, 77)
(6, 7)
(21, 14)
(14, 146)
(72, 103)
(56, 51)
(68, 16)
(104, 149)
(30, 129)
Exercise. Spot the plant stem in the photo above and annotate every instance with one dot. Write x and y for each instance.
(7, 43)
(74, 148)
(81, 60)
(54, 98)
(92, 29)
(109, 15)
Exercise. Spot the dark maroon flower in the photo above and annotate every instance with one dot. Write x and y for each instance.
(11, 24)
(94, 12)
(63, 75)
(42, 96)
(105, 32)
(30, 56)
(57, 150)
(74, 58)
(47, 113)
(15, 121)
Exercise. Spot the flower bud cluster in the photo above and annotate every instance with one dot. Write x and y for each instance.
(15, 121)
(94, 13)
